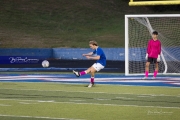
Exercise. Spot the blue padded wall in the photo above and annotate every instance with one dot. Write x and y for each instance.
(76, 53)
(27, 52)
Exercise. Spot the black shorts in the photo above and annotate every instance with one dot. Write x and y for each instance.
(152, 60)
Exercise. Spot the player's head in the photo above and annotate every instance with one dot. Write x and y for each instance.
(93, 44)
(154, 34)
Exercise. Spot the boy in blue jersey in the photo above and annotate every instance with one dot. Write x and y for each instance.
(98, 55)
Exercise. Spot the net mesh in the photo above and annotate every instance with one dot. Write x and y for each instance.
(139, 33)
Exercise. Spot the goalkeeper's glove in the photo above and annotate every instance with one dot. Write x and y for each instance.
(146, 56)
(158, 59)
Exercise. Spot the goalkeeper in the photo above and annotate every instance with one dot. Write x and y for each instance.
(153, 54)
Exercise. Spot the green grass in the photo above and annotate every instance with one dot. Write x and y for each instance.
(66, 24)
(62, 23)
(75, 101)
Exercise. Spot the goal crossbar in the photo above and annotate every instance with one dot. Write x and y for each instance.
(149, 3)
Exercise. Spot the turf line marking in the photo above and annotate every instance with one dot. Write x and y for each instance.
(4, 105)
(125, 98)
(77, 100)
(102, 99)
(146, 96)
(93, 104)
(50, 101)
(89, 92)
(38, 117)
(118, 105)
(26, 103)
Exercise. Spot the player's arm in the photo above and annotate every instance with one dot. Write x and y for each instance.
(159, 48)
(97, 57)
(148, 48)
(93, 57)
(88, 54)
(159, 52)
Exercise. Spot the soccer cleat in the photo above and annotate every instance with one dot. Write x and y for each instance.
(144, 78)
(90, 85)
(153, 78)
(76, 73)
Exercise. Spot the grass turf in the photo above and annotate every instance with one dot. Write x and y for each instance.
(34, 101)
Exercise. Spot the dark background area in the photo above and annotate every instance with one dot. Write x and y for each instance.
(68, 24)
(112, 66)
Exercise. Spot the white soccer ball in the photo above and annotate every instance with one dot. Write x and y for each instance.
(45, 63)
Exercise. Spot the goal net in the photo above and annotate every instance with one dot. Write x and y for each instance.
(138, 31)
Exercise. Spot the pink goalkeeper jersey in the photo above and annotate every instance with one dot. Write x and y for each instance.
(154, 48)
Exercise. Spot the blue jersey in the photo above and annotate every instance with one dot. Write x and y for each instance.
(99, 52)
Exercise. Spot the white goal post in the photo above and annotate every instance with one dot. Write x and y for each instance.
(138, 31)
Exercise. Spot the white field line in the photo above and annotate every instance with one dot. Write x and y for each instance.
(125, 98)
(87, 80)
(32, 76)
(88, 92)
(38, 117)
(145, 96)
(102, 99)
(76, 100)
(175, 83)
(49, 101)
(67, 78)
(26, 103)
(116, 105)
(4, 105)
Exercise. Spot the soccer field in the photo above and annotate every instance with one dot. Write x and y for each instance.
(48, 101)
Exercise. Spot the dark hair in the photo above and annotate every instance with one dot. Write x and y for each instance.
(93, 43)
(155, 33)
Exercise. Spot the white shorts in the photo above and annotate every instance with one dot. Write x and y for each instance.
(97, 66)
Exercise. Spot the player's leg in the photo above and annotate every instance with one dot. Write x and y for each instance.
(156, 70)
(92, 77)
(92, 71)
(78, 74)
(95, 66)
(147, 68)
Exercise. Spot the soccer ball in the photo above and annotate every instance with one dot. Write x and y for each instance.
(45, 63)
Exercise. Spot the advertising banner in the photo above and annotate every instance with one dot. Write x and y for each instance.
(21, 59)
